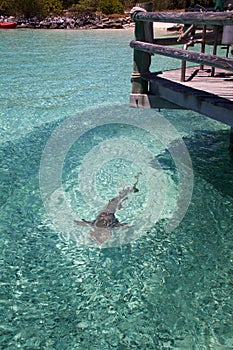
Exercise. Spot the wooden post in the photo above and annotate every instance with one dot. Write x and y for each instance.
(216, 31)
(186, 33)
(142, 60)
(203, 43)
(231, 142)
(183, 66)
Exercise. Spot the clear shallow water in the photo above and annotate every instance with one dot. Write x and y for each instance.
(165, 290)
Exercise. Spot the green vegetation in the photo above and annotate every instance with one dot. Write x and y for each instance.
(30, 8)
(179, 4)
(110, 6)
(44, 7)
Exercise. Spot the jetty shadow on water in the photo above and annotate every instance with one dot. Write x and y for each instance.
(211, 159)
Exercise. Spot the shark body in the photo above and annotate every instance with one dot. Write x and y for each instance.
(106, 221)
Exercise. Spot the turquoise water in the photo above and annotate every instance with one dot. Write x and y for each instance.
(164, 290)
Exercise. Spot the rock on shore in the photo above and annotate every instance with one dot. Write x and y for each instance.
(73, 22)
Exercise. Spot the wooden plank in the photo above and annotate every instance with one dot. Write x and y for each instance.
(208, 104)
(151, 101)
(185, 55)
(208, 18)
(219, 85)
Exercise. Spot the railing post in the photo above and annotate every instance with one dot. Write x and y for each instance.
(203, 42)
(142, 60)
(216, 32)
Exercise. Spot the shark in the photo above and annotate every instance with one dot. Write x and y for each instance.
(106, 221)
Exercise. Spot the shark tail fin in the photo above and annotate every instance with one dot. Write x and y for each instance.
(135, 189)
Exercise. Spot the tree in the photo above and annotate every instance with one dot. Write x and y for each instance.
(7, 7)
(30, 8)
(44, 7)
(68, 3)
(110, 6)
(128, 4)
(54, 6)
(85, 5)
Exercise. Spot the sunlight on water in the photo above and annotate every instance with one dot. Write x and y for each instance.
(164, 290)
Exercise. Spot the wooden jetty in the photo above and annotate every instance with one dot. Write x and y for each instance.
(206, 87)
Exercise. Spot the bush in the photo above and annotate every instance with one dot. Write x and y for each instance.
(30, 8)
(109, 7)
(54, 6)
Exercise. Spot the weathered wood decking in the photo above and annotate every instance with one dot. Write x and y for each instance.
(201, 92)
(220, 84)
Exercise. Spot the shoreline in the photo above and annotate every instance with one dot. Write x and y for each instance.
(75, 22)
(82, 22)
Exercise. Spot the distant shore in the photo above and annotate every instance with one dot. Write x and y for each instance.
(72, 22)
(80, 22)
